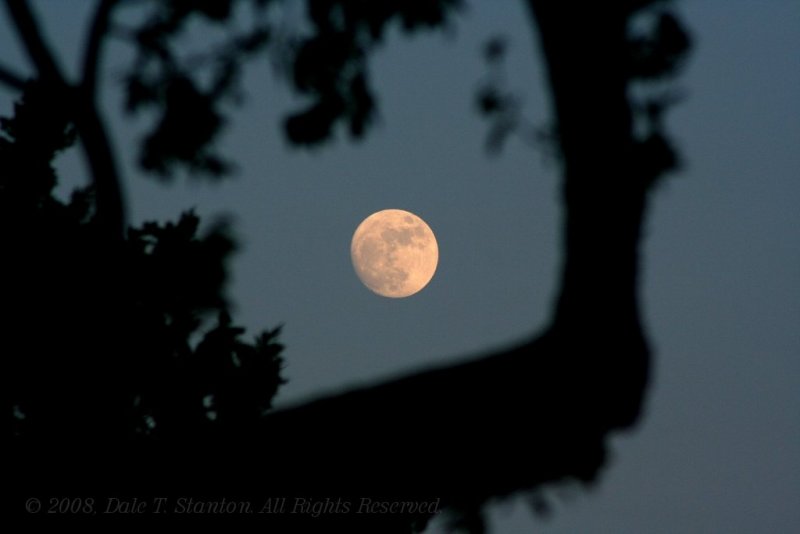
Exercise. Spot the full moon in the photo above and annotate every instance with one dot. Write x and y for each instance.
(394, 253)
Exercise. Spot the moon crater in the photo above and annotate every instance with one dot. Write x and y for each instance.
(394, 253)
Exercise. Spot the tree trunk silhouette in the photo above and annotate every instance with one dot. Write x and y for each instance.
(492, 425)
(538, 412)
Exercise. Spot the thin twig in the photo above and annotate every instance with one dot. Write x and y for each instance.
(97, 32)
(38, 51)
(11, 79)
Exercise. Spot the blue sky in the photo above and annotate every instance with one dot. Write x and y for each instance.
(718, 449)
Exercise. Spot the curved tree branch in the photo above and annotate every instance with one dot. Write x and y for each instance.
(508, 421)
(93, 132)
(11, 79)
(91, 58)
(111, 212)
(95, 141)
(38, 51)
(604, 192)
(539, 412)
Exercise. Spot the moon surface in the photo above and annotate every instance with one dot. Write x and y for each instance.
(394, 253)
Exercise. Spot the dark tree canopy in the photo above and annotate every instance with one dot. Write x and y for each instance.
(118, 341)
(79, 330)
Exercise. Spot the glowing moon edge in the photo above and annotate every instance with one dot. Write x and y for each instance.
(394, 253)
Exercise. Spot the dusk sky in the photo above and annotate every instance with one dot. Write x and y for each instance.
(718, 446)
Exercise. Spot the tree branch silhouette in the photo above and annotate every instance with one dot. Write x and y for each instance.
(494, 424)
(97, 33)
(95, 140)
(11, 79)
(38, 51)
(594, 351)
(539, 412)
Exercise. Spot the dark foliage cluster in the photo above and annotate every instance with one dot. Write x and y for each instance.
(657, 48)
(656, 55)
(111, 339)
(183, 91)
(330, 64)
(326, 64)
(83, 321)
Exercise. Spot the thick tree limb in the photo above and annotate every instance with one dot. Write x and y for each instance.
(539, 412)
(604, 192)
(512, 420)
(508, 421)
(534, 414)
